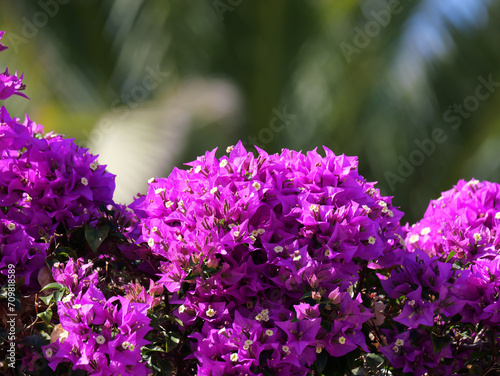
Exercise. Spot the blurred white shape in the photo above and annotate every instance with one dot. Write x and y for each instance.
(146, 142)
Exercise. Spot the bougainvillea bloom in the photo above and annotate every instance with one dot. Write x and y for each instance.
(45, 181)
(252, 247)
(449, 277)
(101, 336)
(10, 84)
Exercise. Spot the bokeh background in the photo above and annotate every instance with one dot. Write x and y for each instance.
(411, 87)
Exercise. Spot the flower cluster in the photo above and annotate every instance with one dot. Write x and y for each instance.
(10, 84)
(101, 336)
(449, 280)
(267, 255)
(44, 181)
(268, 264)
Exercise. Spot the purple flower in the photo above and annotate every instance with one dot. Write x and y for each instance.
(11, 85)
(268, 238)
(449, 280)
(416, 310)
(103, 335)
(45, 181)
(2, 47)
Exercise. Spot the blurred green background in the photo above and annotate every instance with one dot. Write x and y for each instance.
(411, 87)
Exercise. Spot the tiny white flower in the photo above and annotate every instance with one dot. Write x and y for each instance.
(154, 229)
(342, 340)
(477, 237)
(126, 344)
(234, 357)
(93, 166)
(414, 238)
(350, 289)
(254, 233)
(11, 226)
(297, 258)
(168, 204)
(497, 215)
(229, 149)
(382, 203)
(314, 208)
(159, 190)
(319, 349)
(278, 249)
(263, 315)
(411, 303)
(400, 342)
(210, 312)
(395, 349)
(100, 339)
(248, 342)
(214, 190)
(256, 185)
(366, 208)
(28, 198)
(236, 234)
(425, 231)
(269, 332)
(151, 180)
(327, 252)
(49, 353)
(76, 306)
(84, 181)
(131, 347)
(182, 308)
(197, 169)
(372, 240)
(151, 242)
(261, 231)
(285, 349)
(223, 163)
(473, 182)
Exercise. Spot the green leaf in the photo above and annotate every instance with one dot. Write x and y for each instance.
(306, 295)
(46, 316)
(452, 253)
(63, 254)
(439, 342)
(54, 285)
(146, 350)
(47, 299)
(58, 295)
(321, 360)
(95, 237)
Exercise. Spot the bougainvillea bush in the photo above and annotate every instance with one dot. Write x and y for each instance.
(238, 264)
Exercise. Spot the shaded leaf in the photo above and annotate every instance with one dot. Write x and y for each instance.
(95, 236)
